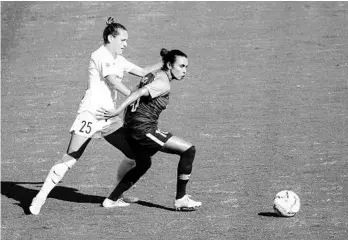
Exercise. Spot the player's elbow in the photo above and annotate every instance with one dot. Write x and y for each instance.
(137, 94)
(143, 92)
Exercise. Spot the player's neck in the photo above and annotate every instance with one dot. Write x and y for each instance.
(110, 50)
(169, 75)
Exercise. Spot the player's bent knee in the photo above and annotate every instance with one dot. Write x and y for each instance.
(191, 152)
(61, 167)
(57, 172)
(186, 161)
(67, 160)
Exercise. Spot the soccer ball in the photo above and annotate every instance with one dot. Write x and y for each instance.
(286, 203)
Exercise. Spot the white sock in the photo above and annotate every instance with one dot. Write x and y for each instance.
(66, 163)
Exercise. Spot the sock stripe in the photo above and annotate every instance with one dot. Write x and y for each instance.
(184, 176)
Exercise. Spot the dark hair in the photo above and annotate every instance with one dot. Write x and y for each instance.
(170, 57)
(112, 29)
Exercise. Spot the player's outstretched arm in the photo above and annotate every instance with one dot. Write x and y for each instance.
(118, 85)
(134, 96)
(141, 72)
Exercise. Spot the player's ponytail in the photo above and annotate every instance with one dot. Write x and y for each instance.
(170, 57)
(111, 28)
(110, 21)
(164, 52)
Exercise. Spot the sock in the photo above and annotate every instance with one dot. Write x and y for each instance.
(51, 180)
(184, 171)
(182, 181)
(131, 177)
(120, 189)
(126, 165)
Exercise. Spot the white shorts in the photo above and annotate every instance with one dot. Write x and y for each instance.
(88, 126)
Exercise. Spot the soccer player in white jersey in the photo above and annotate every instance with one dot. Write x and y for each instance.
(106, 69)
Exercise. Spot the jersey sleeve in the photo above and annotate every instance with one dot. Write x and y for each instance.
(99, 66)
(122, 65)
(128, 66)
(93, 69)
(158, 87)
(107, 68)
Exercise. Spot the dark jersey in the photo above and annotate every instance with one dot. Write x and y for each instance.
(143, 114)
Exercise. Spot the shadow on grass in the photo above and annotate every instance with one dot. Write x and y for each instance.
(153, 205)
(24, 195)
(268, 214)
(23, 192)
(148, 204)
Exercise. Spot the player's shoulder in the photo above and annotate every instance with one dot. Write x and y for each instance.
(160, 75)
(155, 77)
(161, 78)
(100, 53)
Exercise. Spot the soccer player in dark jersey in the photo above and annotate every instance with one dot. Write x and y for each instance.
(142, 110)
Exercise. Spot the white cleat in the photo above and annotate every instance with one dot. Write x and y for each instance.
(36, 205)
(108, 203)
(186, 204)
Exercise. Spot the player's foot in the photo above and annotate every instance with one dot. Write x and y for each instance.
(129, 199)
(186, 204)
(36, 205)
(108, 203)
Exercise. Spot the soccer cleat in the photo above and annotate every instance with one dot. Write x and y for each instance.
(129, 199)
(108, 203)
(186, 204)
(36, 205)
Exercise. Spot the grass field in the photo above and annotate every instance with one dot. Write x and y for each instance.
(264, 101)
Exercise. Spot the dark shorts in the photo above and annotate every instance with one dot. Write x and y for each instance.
(119, 139)
(152, 141)
(138, 146)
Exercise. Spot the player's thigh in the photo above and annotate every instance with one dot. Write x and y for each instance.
(87, 125)
(152, 141)
(120, 140)
(77, 144)
(175, 145)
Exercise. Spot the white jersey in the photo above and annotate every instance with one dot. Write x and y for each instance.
(100, 93)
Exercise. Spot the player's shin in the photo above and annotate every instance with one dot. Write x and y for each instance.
(126, 165)
(56, 174)
(121, 187)
(131, 177)
(184, 171)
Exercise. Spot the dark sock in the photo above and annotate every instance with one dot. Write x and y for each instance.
(132, 176)
(184, 168)
(181, 188)
(120, 188)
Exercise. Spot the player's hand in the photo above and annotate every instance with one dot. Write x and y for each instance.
(103, 114)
